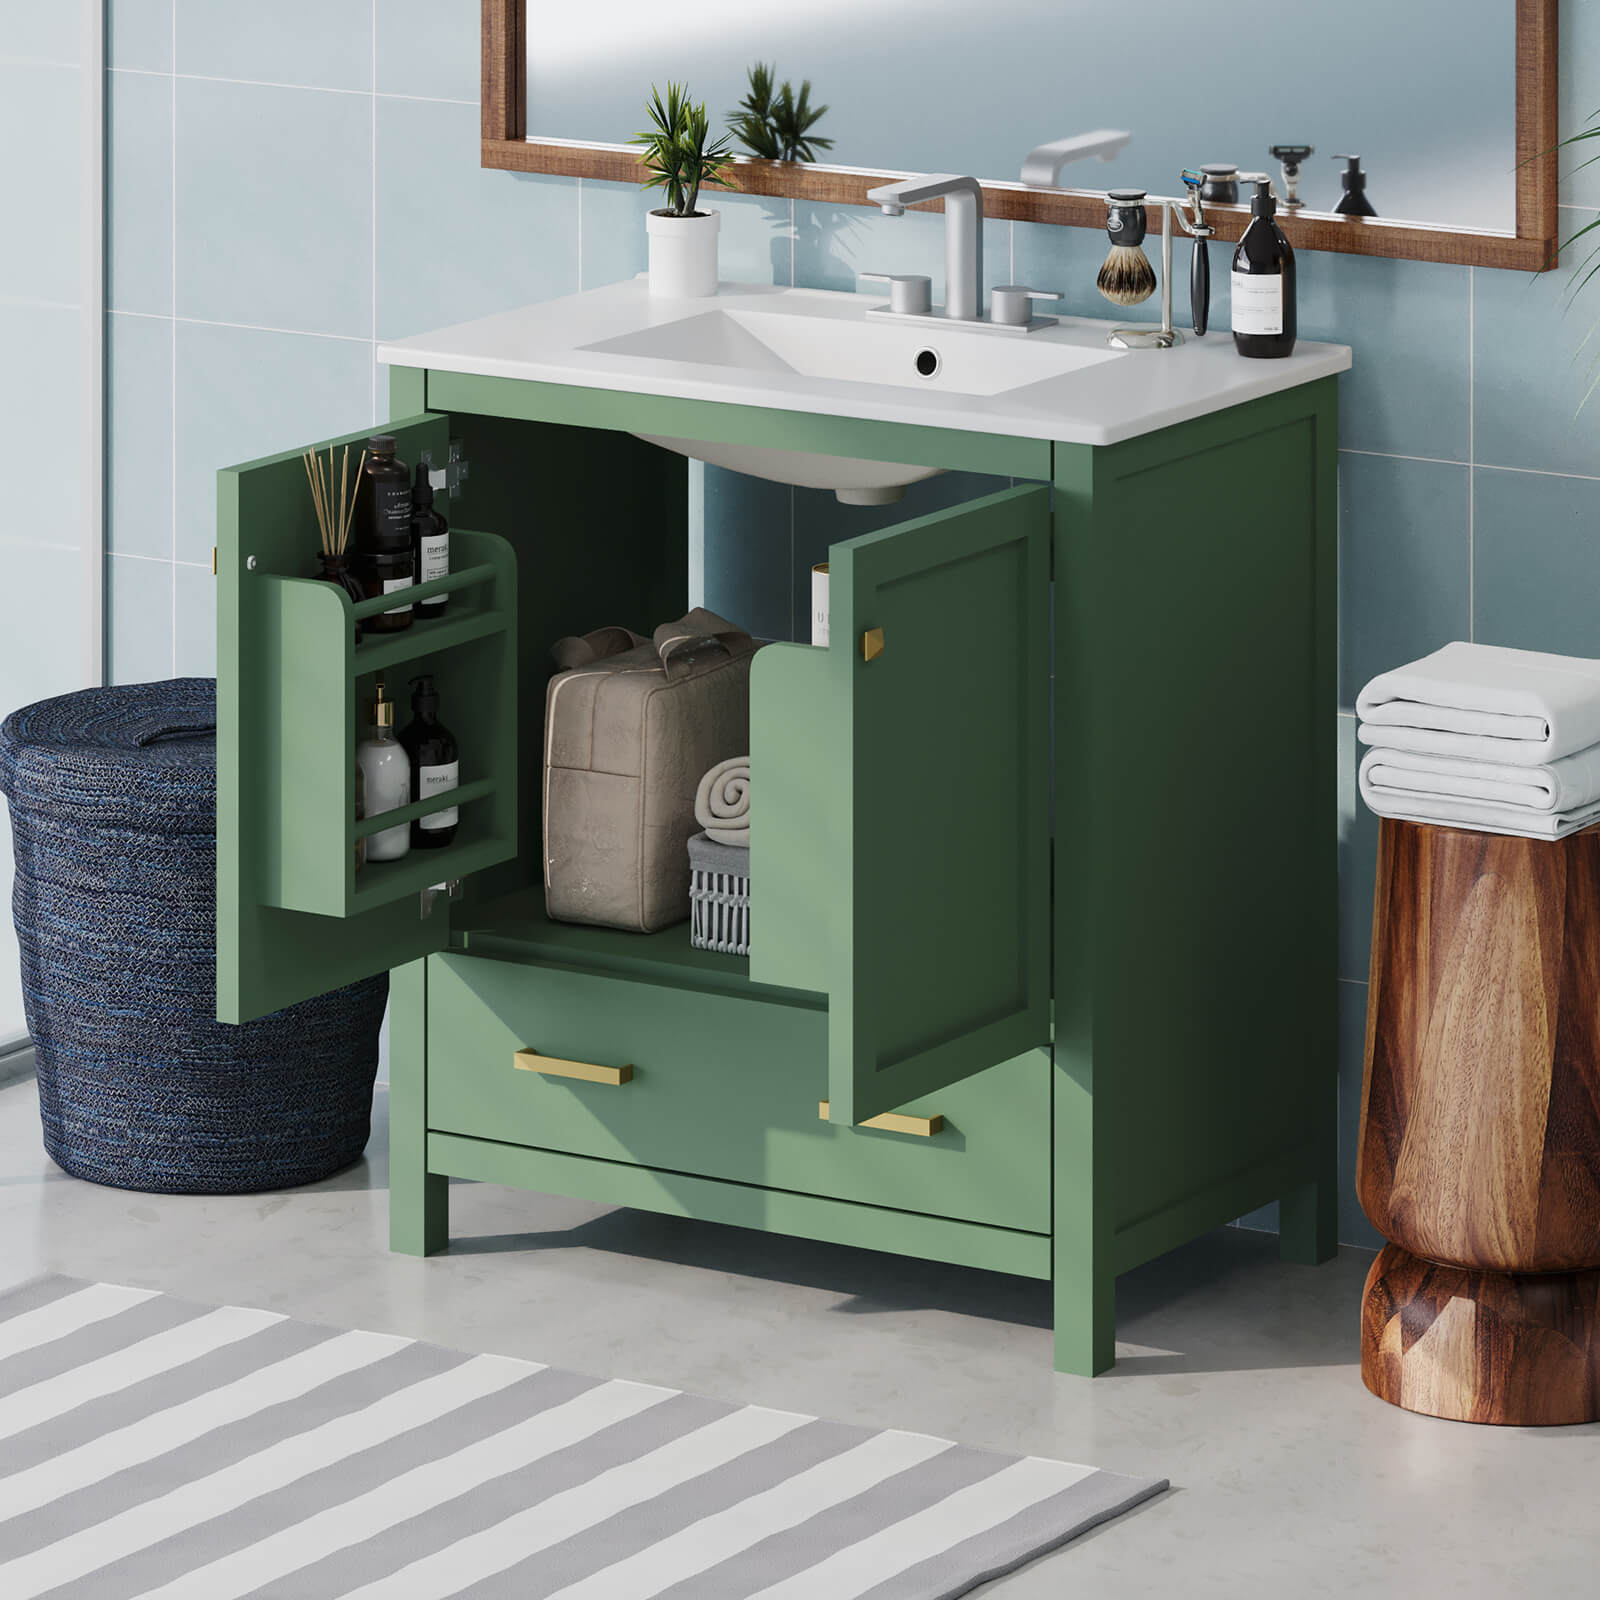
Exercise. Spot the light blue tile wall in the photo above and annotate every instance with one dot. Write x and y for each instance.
(314, 217)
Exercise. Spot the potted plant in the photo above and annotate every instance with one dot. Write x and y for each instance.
(775, 124)
(681, 158)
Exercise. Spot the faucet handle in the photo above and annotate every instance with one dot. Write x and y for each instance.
(1011, 304)
(910, 293)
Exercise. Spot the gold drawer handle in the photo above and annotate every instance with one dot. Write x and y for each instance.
(896, 1122)
(553, 1067)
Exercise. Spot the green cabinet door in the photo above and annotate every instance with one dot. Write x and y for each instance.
(294, 917)
(900, 847)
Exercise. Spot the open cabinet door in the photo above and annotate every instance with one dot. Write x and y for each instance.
(900, 855)
(294, 916)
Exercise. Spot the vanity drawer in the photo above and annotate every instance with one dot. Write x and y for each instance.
(720, 1087)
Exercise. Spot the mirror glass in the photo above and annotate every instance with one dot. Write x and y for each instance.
(1423, 90)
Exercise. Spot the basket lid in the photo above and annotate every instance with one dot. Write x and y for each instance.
(140, 756)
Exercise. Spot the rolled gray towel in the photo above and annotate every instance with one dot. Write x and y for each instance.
(722, 802)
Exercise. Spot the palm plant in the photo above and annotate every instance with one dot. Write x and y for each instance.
(775, 123)
(678, 153)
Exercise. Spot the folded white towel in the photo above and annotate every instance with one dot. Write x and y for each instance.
(722, 802)
(1484, 702)
(1466, 810)
(1567, 785)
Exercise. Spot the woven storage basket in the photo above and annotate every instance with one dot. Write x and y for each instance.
(113, 812)
(719, 897)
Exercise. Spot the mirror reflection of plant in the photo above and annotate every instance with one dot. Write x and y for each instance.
(1590, 265)
(678, 152)
(775, 123)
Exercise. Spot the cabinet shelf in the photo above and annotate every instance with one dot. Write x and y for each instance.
(382, 651)
(463, 794)
(517, 928)
(381, 883)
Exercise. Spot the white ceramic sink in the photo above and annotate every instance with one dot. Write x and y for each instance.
(938, 355)
(821, 353)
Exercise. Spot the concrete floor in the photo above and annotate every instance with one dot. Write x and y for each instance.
(1236, 1375)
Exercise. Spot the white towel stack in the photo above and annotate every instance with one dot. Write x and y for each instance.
(1475, 736)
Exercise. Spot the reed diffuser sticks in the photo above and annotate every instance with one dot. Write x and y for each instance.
(333, 517)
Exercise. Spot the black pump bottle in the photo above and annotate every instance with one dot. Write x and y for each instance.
(430, 541)
(1263, 282)
(435, 765)
(1353, 202)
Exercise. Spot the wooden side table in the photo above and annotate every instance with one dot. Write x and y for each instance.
(1480, 1126)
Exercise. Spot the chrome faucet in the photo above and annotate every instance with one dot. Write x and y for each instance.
(963, 234)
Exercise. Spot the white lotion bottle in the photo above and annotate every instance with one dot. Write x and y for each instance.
(387, 771)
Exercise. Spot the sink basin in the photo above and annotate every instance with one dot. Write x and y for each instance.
(941, 355)
(937, 357)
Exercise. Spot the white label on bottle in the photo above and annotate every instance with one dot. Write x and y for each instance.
(435, 780)
(1257, 302)
(819, 607)
(435, 557)
(389, 587)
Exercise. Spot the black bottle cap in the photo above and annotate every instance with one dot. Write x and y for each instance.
(422, 489)
(1353, 178)
(1265, 203)
(383, 444)
(424, 697)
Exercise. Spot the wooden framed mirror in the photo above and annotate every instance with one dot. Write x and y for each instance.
(1473, 73)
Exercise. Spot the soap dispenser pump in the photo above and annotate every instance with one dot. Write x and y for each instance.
(386, 774)
(1263, 282)
(1353, 202)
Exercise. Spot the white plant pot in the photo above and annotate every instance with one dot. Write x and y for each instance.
(683, 254)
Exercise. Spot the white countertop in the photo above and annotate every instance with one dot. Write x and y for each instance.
(1137, 392)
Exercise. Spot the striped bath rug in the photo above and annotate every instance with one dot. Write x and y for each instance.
(153, 1447)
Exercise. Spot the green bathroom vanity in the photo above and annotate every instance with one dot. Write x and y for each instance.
(1044, 844)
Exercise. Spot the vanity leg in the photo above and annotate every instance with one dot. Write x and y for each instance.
(1085, 1321)
(1308, 1222)
(419, 1212)
(419, 1200)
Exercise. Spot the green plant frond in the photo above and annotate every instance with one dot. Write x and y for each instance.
(677, 152)
(775, 125)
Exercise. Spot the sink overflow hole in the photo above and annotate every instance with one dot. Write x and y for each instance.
(927, 362)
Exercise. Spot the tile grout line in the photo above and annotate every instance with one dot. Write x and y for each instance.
(139, 555)
(272, 83)
(1394, 455)
(1472, 454)
(243, 327)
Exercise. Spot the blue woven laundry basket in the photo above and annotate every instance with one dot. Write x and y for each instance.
(113, 812)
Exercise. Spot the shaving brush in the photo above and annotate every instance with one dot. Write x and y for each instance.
(1126, 278)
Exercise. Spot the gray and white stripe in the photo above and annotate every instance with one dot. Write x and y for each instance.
(153, 1449)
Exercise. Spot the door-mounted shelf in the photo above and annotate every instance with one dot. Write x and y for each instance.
(318, 682)
(472, 615)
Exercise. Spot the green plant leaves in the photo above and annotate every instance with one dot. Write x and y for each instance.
(776, 124)
(677, 151)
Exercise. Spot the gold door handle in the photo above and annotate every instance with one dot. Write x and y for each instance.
(554, 1067)
(896, 1122)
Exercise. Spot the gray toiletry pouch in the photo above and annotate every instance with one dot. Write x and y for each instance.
(630, 726)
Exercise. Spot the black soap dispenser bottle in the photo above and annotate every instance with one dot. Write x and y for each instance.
(435, 765)
(1263, 282)
(1353, 202)
(430, 542)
